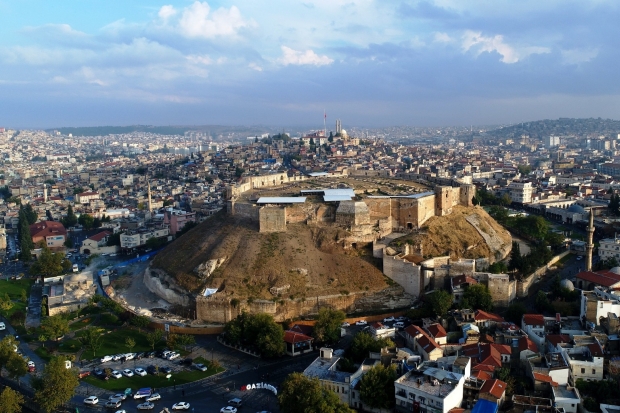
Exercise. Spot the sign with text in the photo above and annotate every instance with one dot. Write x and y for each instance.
(260, 386)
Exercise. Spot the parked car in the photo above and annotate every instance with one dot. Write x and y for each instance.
(165, 369)
(361, 322)
(140, 371)
(151, 369)
(116, 374)
(98, 372)
(91, 400)
(200, 367)
(345, 324)
(228, 409)
(105, 359)
(153, 397)
(186, 362)
(388, 319)
(401, 318)
(112, 404)
(118, 396)
(399, 324)
(130, 356)
(146, 406)
(32, 368)
(143, 393)
(173, 356)
(180, 406)
(2, 326)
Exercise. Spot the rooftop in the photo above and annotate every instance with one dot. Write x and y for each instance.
(432, 381)
(325, 369)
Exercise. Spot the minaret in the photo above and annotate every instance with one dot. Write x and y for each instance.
(44, 193)
(149, 194)
(590, 245)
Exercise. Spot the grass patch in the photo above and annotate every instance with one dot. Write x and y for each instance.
(70, 346)
(14, 289)
(80, 324)
(114, 342)
(43, 353)
(109, 319)
(136, 382)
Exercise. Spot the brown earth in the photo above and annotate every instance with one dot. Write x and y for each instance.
(311, 260)
(453, 235)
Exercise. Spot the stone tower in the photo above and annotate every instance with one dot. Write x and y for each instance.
(149, 195)
(44, 192)
(467, 193)
(443, 200)
(590, 245)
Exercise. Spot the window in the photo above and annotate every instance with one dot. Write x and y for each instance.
(583, 370)
(593, 371)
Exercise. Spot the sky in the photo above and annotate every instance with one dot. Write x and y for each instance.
(370, 63)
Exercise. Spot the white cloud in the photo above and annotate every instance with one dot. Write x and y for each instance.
(166, 12)
(197, 59)
(480, 44)
(256, 67)
(442, 37)
(294, 57)
(199, 21)
(577, 56)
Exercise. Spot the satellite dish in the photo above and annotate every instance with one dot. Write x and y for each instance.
(168, 376)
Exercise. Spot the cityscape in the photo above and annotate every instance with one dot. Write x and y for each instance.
(309, 207)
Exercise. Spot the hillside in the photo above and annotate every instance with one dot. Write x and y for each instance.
(466, 233)
(308, 259)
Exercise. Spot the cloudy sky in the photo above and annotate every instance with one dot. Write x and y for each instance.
(282, 62)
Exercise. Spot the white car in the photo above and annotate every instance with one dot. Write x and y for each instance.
(121, 411)
(105, 359)
(140, 371)
(116, 374)
(127, 373)
(153, 397)
(91, 400)
(118, 396)
(345, 324)
(361, 322)
(201, 367)
(388, 319)
(117, 357)
(130, 356)
(180, 406)
(2, 326)
(399, 324)
(228, 409)
(146, 406)
(173, 356)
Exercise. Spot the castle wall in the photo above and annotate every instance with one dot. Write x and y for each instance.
(297, 213)
(379, 207)
(246, 210)
(466, 195)
(272, 219)
(502, 289)
(383, 173)
(443, 200)
(404, 273)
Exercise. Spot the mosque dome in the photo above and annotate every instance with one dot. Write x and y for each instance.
(576, 209)
(615, 270)
(568, 284)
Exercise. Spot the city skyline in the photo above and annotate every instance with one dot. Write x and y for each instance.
(370, 63)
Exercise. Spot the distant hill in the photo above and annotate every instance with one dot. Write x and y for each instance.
(559, 127)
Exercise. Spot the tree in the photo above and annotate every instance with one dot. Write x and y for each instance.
(515, 312)
(258, 331)
(55, 326)
(477, 296)
(498, 267)
(7, 350)
(70, 219)
(18, 318)
(31, 215)
(92, 339)
(440, 301)
(614, 204)
(87, 221)
(154, 337)
(69, 242)
(301, 394)
(542, 302)
(327, 327)
(11, 401)
(364, 343)
(507, 377)
(6, 304)
(130, 343)
(505, 200)
(377, 387)
(48, 264)
(516, 260)
(186, 340)
(56, 386)
(140, 321)
(525, 169)
(16, 366)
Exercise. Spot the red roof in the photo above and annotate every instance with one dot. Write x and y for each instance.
(556, 339)
(495, 387)
(483, 315)
(294, 337)
(46, 229)
(595, 350)
(414, 330)
(437, 331)
(534, 320)
(526, 344)
(98, 237)
(601, 279)
(480, 374)
(542, 377)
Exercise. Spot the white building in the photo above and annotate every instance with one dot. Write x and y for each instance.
(138, 238)
(566, 397)
(609, 248)
(551, 141)
(586, 361)
(521, 192)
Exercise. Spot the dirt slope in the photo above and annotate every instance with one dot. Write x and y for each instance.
(459, 235)
(308, 259)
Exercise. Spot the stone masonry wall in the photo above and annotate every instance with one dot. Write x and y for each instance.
(404, 273)
(272, 219)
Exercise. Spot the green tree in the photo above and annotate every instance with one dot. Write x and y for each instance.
(87, 221)
(25, 239)
(114, 239)
(300, 394)
(498, 267)
(69, 242)
(56, 386)
(16, 366)
(364, 343)
(140, 321)
(327, 326)
(48, 264)
(477, 296)
(614, 204)
(239, 171)
(130, 343)
(55, 326)
(542, 302)
(11, 401)
(525, 169)
(70, 219)
(440, 301)
(7, 350)
(505, 200)
(6, 304)
(507, 377)
(31, 215)
(258, 331)
(377, 387)
(515, 312)
(92, 338)
(154, 337)
(186, 340)
(516, 259)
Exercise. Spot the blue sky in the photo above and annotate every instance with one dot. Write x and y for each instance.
(282, 62)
